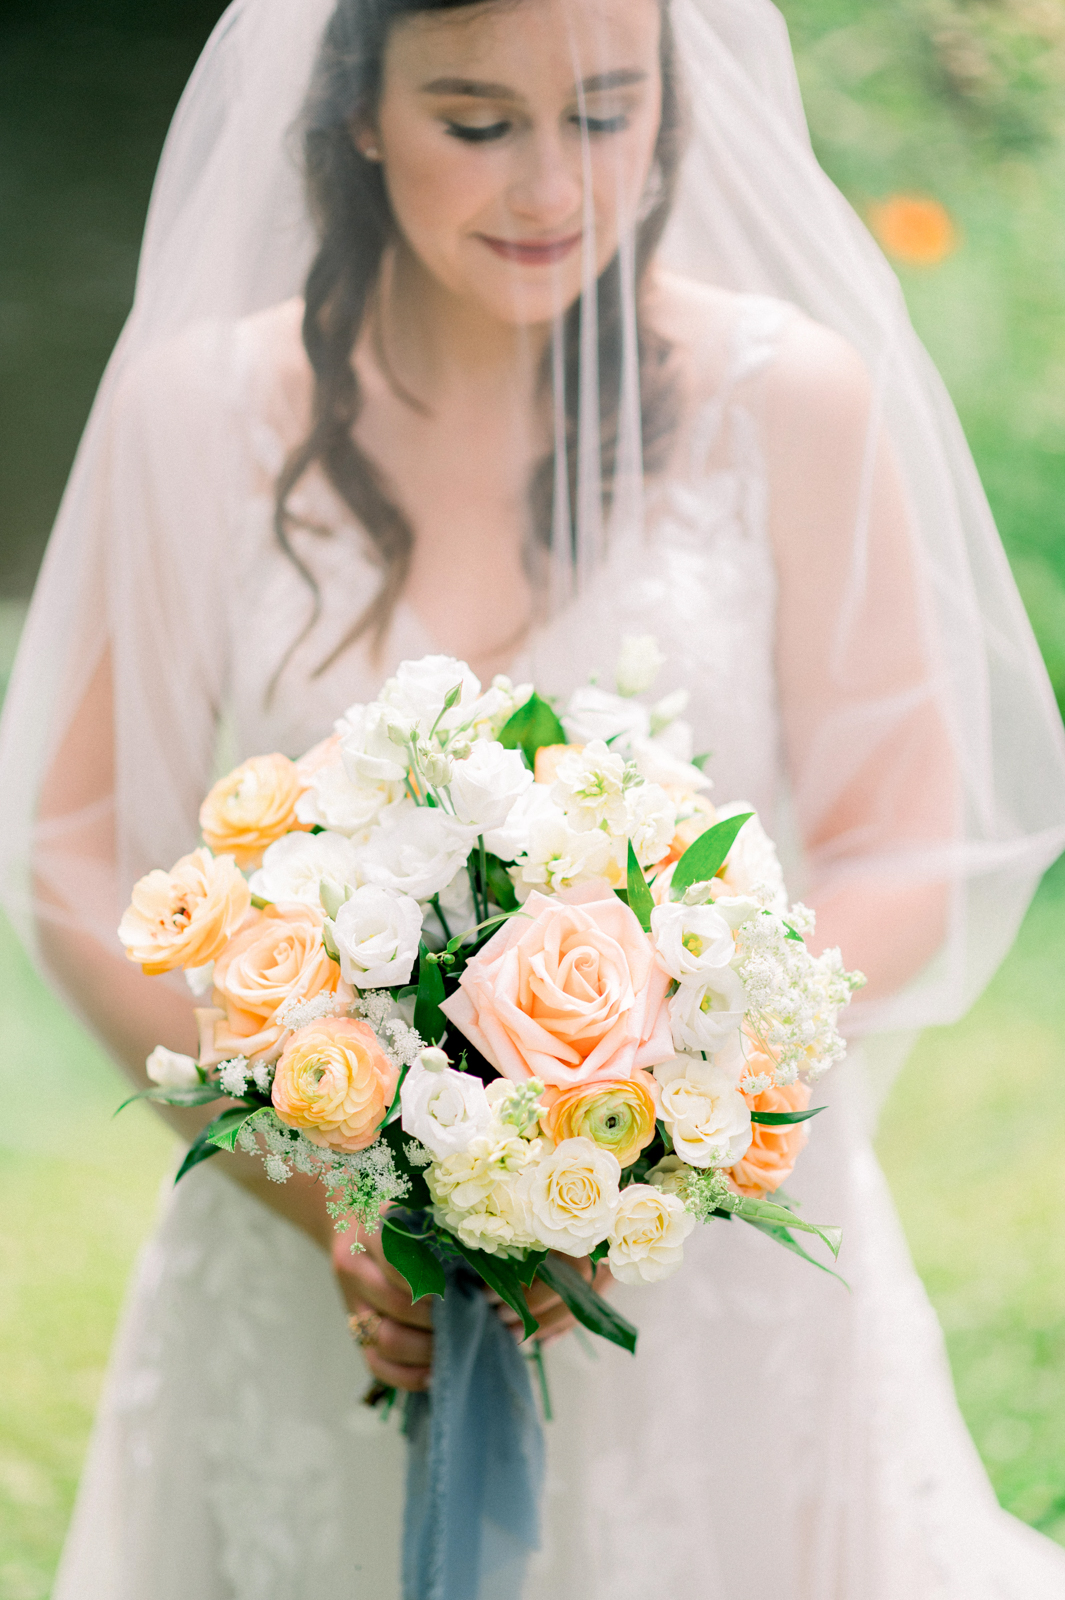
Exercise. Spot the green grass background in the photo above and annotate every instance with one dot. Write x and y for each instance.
(959, 99)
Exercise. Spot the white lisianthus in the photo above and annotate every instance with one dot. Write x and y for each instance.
(707, 1118)
(513, 839)
(479, 1193)
(691, 939)
(752, 866)
(335, 802)
(444, 1110)
(377, 932)
(639, 663)
(485, 787)
(419, 689)
(650, 821)
(647, 1239)
(416, 850)
(294, 866)
(589, 788)
(171, 1070)
(558, 856)
(595, 713)
(573, 1196)
(706, 1010)
(372, 744)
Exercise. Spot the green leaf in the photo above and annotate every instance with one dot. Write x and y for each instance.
(528, 1268)
(412, 1259)
(259, 903)
(793, 933)
(601, 1249)
(224, 1129)
(780, 1119)
(701, 759)
(531, 727)
(640, 899)
(503, 1276)
(459, 939)
(706, 855)
(779, 1216)
(197, 1094)
(429, 1020)
(782, 1236)
(499, 885)
(588, 1307)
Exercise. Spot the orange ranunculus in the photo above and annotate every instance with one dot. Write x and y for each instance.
(914, 229)
(252, 806)
(277, 956)
(335, 1083)
(547, 759)
(772, 1152)
(185, 917)
(616, 1114)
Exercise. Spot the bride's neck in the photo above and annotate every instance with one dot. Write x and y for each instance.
(438, 347)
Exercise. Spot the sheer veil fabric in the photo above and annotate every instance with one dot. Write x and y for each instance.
(890, 657)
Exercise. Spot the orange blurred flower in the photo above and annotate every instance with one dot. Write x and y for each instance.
(914, 228)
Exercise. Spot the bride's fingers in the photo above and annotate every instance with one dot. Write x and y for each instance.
(362, 1278)
(412, 1379)
(404, 1347)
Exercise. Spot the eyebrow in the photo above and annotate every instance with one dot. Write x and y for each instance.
(620, 78)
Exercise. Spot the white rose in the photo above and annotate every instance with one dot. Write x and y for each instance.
(752, 866)
(691, 939)
(573, 1195)
(558, 856)
(419, 689)
(589, 788)
(171, 1070)
(647, 1240)
(594, 713)
(416, 850)
(707, 1118)
(485, 787)
(293, 867)
(371, 754)
(377, 933)
(639, 663)
(707, 1010)
(335, 802)
(650, 821)
(443, 1110)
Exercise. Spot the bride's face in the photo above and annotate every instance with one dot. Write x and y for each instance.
(516, 137)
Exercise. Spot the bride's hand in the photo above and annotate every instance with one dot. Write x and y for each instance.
(397, 1340)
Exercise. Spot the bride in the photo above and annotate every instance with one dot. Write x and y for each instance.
(561, 335)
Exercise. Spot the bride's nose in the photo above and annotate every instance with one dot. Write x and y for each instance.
(548, 187)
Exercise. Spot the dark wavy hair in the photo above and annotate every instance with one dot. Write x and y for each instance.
(355, 226)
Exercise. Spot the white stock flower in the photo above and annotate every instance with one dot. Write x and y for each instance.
(558, 856)
(647, 1239)
(377, 932)
(478, 1192)
(595, 713)
(650, 821)
(371, 754)
(419, 689)
(294, 866)
(336, 802)
(485, 787)
(639, 663)
(573, 1196)
(706, 1010)
(416, 850)
(589, 788)
(171, 1070)
(445, 1110)
(752, 866)
(707, 1118)
(691, 939)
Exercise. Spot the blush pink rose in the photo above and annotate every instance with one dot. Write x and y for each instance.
(573, 996)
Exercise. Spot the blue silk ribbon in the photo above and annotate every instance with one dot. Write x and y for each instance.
(475, 1463)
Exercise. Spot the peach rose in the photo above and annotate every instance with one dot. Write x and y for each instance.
(184, 918)
(574, 996)
(277, 956)
(252, 806)
(335, 1083)
(772, 1152)
(617, 1115)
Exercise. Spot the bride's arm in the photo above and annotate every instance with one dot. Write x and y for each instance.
(867, 746)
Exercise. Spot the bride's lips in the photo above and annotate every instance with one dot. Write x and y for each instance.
(532, 252)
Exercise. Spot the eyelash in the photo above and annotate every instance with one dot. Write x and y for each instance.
(472, 134)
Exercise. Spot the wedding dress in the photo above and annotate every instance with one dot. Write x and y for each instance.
(775, 1435)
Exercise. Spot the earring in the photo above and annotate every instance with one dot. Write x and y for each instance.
(372, 153)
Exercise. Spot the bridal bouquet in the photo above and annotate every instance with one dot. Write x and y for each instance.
(505, 980)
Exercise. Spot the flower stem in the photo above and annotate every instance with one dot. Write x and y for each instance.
(537, 1358)
(434, 901)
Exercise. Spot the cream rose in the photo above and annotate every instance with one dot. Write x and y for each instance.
(706, 1116)
(251, 807)
(335, 1083)
(573, 1196)
(277, 957)
(185, 917)
(647, 1239)
(567, 993)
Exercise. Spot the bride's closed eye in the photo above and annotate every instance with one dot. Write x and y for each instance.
(483, 133)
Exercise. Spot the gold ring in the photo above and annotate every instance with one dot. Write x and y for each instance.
(364, 1327)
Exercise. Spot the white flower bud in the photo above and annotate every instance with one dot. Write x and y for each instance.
(434, 1059)
(437, 769)
(638, 664)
